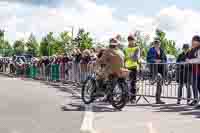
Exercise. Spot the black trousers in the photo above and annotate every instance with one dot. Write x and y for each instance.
(133, 77)
(156, 69)
(180, 90)
(196, 86)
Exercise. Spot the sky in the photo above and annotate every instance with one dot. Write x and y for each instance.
(180, 19)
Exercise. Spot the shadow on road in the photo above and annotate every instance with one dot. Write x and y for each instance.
(70, 88)
(195, 113)
(74, 89)
(181, 109)
(173, 108)
(79, 107)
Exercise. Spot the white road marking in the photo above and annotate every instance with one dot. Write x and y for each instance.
(88, 121)
(150, 127)
(15, 131)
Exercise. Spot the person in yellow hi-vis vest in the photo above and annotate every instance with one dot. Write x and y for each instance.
(132, 55)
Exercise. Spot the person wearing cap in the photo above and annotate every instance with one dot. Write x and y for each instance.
(193, 58)
(183, 74)
(132, 55)
(110, 61)
(155, 57)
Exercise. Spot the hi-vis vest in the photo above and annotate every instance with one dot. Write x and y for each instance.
(129, 62)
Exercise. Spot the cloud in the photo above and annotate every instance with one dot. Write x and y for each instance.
(36, 2)
(20, 19)
(180, 24)
(43, 19)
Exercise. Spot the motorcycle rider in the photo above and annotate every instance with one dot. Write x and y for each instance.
(111, 62)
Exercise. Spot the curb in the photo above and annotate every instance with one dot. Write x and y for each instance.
(7, 74)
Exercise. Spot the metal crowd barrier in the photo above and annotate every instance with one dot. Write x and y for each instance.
(71, 71)
(176, 80)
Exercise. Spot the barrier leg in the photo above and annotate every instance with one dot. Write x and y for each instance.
(143, 98)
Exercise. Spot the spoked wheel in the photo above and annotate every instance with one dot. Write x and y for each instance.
(88, 90)
(119, 95)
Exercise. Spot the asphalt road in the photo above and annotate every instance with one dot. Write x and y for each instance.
(37, 107)
(34, 107)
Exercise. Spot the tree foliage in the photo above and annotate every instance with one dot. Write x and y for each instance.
(2, 34)
(19, 47)
(44, 49)
(142, 43)
(32, 46)
(83, 40)
(5, 47)
(62, 44)
(169, 46)
(46, 45)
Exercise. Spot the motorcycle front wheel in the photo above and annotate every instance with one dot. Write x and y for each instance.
(119, 95)
(88, 90)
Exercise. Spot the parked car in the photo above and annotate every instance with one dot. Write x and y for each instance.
(20, 59)
(28, 57)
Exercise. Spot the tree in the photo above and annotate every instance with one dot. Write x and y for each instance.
(18, 47)
(1, 39)
(2, 34)
(83, 40)
(50, 41)
(46, 45)
(43, 49)
(66, 39)
(5, 47)
(32, 45)
(142, 43)
(169, 46)
(62, 44)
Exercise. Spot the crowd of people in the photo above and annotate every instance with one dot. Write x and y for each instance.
(188, 68)
(77, 60)
(188, 73)
(123, 62)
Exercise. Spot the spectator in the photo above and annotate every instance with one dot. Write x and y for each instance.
(76, 68)
(132, 55)
(65, 61)
(155, 56)
(93, 54)
(77, 55)
(41, 67)
(194, 59)
(86, 58)
(47, 64)
(183, 74)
